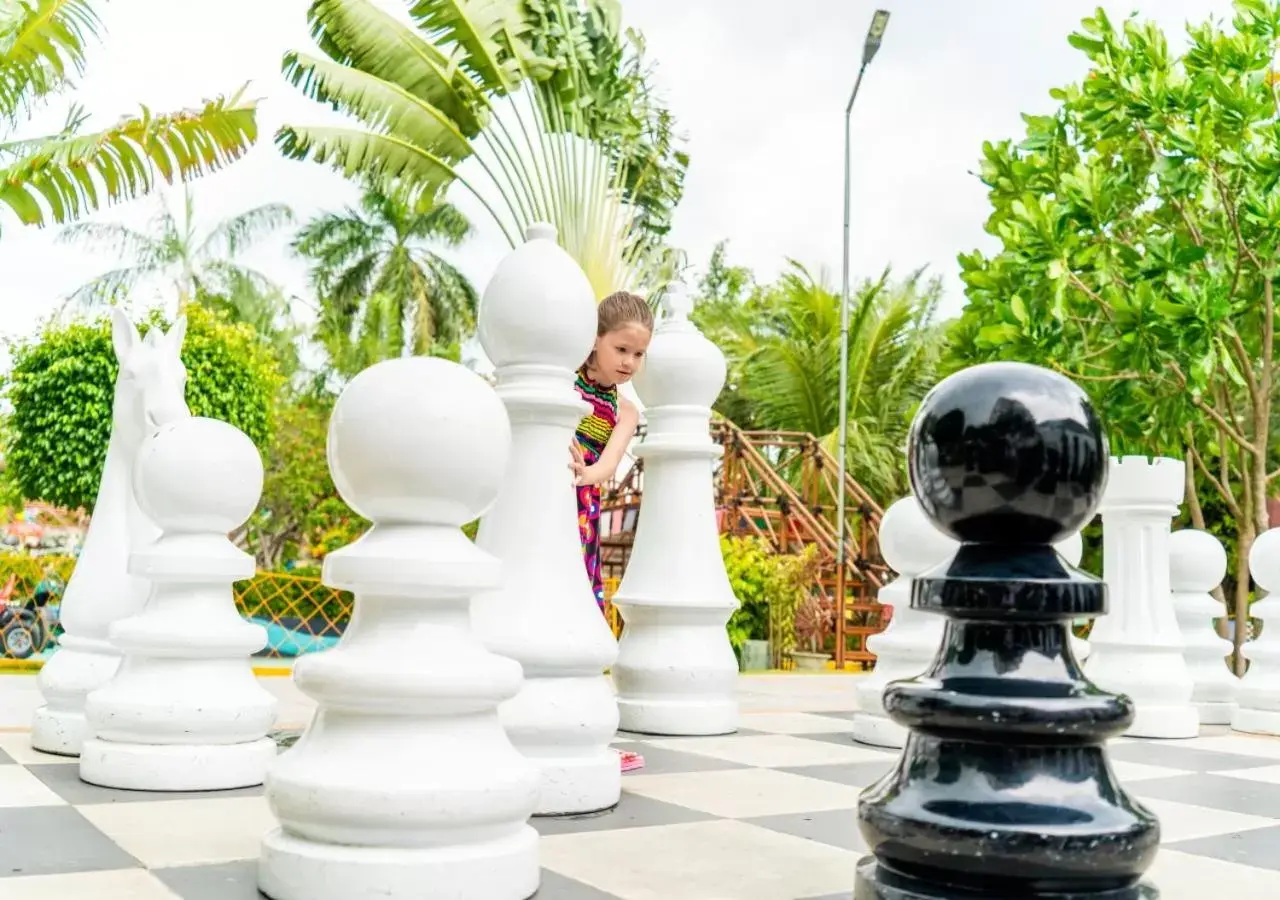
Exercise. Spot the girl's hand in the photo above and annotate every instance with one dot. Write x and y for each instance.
(577, 463)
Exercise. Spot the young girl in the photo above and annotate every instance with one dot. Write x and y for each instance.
(624, 328)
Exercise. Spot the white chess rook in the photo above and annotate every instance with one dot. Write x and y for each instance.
(910, 545)
(1197, 563)
(1258, 697)
(1136, 649)
(537, 323)
(148, 393)
(185, 712)
(676, 673)
(405, 785)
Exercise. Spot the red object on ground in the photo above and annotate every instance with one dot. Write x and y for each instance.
(630, 760)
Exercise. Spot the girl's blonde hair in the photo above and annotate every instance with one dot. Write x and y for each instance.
(620, 309)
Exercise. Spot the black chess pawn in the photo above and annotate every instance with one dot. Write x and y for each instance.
(1003, 789)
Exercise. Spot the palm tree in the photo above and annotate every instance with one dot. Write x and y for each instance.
(783, 347)
(549, 101)
(61, 177)
(382, 291)
(197, 267)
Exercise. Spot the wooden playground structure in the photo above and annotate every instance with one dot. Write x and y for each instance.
(780, 486)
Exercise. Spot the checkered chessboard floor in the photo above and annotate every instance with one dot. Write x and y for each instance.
(766, 814)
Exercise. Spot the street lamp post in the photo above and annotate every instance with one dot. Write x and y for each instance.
(879, 21)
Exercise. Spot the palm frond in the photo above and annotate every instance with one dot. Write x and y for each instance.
(490, 35)
(42, 42)
(233, 235)
(386, 108)
(108, 287)
(64, 178)
(360, 34)
(111, 239)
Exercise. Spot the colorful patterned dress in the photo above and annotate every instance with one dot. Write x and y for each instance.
(592, 434)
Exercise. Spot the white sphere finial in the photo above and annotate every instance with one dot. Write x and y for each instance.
(1264, 560)
(909, 542)
(677, 302)
(540, 231)
(198, 475)
(538, 308)
(1071, 548)
(419, 439)
(1197, 561)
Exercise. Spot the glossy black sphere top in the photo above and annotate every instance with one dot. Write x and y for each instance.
(1007, 453)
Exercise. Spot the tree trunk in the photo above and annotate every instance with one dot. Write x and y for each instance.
(1240, 607)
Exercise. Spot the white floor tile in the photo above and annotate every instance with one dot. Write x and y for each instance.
(1185, 822)
(773, 750)
(701, 861)
(185, 832)
(18, 746)
(745, 793)
(18, 787)
(1183, 876)
(795, 723)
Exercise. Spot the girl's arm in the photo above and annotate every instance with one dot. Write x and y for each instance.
(623, 431)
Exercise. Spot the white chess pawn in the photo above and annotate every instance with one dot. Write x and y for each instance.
(1258, 699)
(910, 546)
(405, 785)
(185, 712)
(1197, 563)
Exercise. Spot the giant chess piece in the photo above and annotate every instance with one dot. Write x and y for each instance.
(148, 393)
(910, 545)
(676, 672)
(1258, 698)
(1137, 649)
(537, 323)
(185, 712)
(405, 786)
(1003, 789)
(1197, 562)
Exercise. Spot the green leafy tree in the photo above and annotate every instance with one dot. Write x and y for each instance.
(299, 500)
(1139, 230)
(61, 177)
(782, 344)
(61, 388)
(382, 291)
(548, 100)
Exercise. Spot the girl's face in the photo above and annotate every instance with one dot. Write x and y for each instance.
(620, 352)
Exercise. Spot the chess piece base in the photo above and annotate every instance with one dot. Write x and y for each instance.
(1256, 721)
(175, 767)
(503, 868)
(59, 731)
(578, 785)
(878, 731)
(1167, 722)
(80, 666)
(684, 718)
(877, 882)
(1215, 712)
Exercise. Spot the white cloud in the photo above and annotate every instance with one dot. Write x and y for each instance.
(759, 89)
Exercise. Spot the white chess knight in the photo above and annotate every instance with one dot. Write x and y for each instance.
(676, 673)
(149, 392)
(405, 785)
(184, 711)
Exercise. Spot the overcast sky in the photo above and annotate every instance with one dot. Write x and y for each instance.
(758, 88)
